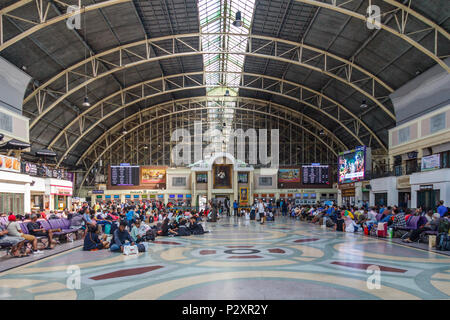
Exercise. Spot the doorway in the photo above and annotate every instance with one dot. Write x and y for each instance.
(427, 199)
(223, 202)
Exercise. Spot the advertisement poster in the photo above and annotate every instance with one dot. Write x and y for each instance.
(432, 162)
(30, 168)
(351, 165)
(151, 175)
(289, 175)
(222, 176)
(9, 164)
(243, 196)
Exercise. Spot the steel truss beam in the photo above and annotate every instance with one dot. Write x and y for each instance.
(126, 97)
(306, 56)
(405, 11)
(41, 15)
(301, 118)
(195, 106)
(134, 149)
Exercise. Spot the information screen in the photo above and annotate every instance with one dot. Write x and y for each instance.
(124, 176)
(315, 174)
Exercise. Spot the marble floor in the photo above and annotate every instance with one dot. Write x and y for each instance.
(240, 259)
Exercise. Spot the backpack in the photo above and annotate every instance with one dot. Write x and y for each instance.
(150, 235)
(443, 242)
(183, 231)
(444, 226)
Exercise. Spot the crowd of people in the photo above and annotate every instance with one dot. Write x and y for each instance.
(101, 226)
(114, 226)
(368, 220)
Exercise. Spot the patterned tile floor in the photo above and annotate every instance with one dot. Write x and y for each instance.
(240, 259)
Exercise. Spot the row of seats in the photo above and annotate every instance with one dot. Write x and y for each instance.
(52, 224)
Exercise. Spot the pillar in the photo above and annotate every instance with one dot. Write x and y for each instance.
(210, 185)
(250, 188)
(339, 197)
(27, 199)
(194, 201)
(235, 187)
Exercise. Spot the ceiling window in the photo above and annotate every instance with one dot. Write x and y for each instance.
(222, 61)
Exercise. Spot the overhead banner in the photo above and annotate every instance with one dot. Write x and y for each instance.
(432, 162)
(9, 164)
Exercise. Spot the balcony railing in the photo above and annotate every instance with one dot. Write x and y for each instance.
(392, 171)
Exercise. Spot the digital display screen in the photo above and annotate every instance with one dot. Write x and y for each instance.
(288, 175)
(351, 165)
(315, 174)
(124, 176)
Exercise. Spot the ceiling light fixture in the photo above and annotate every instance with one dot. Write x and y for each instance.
(363, 104)
(227, 93)
(86, 102)
(238, 21)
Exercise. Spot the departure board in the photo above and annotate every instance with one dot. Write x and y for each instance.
(317, 174)
(124, 176)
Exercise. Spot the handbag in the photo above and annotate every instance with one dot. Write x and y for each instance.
(130, 250)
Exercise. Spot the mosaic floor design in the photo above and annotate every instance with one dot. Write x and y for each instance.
(240, 259)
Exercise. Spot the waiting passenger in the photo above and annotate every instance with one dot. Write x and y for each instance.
(15, 230)
(35, 229)
(93, 242)
(120, 238)
(339, 226)
(429, 226)
(16, 243)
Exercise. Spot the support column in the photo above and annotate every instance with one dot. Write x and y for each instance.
(371, 198)
(210, 185)
(27, 199)
(194, 201)
(250, 188)
(358, 194)
(235, 187)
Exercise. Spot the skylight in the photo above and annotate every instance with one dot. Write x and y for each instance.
(216, 25)
(222, 68)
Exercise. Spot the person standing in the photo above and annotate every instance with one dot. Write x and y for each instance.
(261, 209)
(442, 210)
(235, 207)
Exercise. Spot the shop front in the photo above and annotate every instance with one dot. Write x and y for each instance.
(347, 194)
(60, 194)
(427, 188)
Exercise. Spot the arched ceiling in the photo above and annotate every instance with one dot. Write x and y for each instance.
(316, 57)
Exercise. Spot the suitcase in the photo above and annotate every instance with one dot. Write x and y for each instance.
(382, 229)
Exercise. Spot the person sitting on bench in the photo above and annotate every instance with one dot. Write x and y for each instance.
(35, 229)
(16, 243)
(15, 230)
(429, 226)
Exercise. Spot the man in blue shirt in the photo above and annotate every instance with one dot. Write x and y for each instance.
(130, 217)
(442, 210)
(235, 207)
